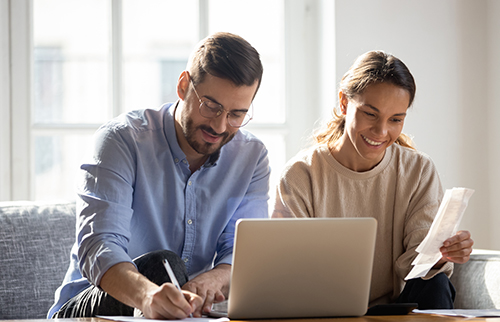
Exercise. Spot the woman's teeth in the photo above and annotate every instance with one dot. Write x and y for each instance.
(371, 142)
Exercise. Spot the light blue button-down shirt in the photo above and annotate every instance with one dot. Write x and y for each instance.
(138, 195)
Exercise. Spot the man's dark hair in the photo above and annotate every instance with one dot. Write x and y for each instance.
(227, 56)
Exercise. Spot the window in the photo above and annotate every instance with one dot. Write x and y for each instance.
(127, 56)
(101, 58)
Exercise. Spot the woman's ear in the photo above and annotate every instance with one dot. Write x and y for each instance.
(343, 102)
(183, 84)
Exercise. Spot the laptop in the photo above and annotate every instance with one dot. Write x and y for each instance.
(301, 267)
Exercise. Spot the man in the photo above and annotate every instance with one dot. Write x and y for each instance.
(170, 184)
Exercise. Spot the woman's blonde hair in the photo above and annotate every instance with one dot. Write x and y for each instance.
(370, 68)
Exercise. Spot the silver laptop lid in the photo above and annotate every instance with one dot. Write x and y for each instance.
(306, 267)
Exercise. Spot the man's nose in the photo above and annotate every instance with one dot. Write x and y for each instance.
(219, 124)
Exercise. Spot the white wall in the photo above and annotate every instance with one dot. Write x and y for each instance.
(452, 49)
(493, 114)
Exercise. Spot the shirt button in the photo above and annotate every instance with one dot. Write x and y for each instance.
(190, 222)
(190, 183)
(184, 161)
(176, 160)
(186, 260)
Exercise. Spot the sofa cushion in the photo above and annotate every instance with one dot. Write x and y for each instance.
(478, 281)
(35, 242)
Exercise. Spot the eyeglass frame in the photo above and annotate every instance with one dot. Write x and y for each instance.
(221, 109)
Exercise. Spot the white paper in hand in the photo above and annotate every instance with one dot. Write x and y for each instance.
(444, 226)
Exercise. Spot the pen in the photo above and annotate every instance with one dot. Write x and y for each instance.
(171, 274)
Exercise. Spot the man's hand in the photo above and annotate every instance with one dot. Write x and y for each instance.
(168, 302)
(456, 249)
(211, 286)
(126, 284)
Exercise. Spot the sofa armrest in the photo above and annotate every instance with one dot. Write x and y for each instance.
(35, 243)
(478, 281)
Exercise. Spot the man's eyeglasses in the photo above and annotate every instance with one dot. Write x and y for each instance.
(210, 110)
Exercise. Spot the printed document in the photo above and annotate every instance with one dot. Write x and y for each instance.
(444, 226)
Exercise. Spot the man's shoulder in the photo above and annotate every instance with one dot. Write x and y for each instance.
(245, 139)
(141, 119)
(244, 149)
(137, 121)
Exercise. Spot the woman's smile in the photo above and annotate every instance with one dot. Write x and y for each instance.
(371, 142)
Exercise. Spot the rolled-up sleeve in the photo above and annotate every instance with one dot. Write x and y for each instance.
(104, 205)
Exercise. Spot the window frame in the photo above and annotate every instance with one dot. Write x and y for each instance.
(307, 83)
(20, 55)
(5, 88)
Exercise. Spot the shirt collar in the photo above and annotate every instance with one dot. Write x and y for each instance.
(212, 160)
(169, 130)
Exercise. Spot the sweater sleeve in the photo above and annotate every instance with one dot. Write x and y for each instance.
(422, 208)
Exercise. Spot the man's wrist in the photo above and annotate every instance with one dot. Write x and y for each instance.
(223, 272)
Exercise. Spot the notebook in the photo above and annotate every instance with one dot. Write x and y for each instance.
(298, 268)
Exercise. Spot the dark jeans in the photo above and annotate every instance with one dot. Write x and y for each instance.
(93, 301)
(435, 293)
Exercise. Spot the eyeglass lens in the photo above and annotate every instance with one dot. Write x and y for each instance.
(235, 119)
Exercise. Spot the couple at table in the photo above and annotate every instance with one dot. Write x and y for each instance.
(170, 183)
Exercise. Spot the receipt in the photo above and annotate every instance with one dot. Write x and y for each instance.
(444, 226)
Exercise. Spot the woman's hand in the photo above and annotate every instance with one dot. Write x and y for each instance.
(457, 249)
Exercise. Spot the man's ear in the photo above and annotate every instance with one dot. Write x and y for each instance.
(183, 84)
(343, 100)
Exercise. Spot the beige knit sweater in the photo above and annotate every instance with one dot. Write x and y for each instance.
(403, 193)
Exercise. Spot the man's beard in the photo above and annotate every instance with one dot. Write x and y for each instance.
(204, 148)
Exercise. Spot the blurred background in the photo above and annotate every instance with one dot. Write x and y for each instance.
(67, 66)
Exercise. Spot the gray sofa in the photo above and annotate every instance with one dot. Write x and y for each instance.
(35, 242)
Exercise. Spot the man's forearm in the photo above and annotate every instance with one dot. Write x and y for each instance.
(123, 282)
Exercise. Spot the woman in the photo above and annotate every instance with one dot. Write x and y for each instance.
(356, 170)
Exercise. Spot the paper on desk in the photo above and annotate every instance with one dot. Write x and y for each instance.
(444, 226)
(142, 319)
(463, 313)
